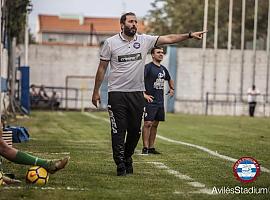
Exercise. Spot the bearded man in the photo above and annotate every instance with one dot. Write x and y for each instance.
(126, 52)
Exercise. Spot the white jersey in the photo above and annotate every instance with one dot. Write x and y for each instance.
(252, 95)
(127, 60)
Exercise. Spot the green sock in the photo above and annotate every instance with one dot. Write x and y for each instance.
(27, 159)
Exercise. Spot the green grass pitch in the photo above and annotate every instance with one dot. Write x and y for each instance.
(175, 174)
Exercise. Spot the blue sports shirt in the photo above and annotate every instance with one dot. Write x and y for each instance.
(154, 78)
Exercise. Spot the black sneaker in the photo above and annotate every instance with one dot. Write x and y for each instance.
(129, 166)
(121, 169)
(145, 151)
(9, 175)
(153, 151)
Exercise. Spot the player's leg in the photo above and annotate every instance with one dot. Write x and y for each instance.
(153, 133)
(253, 111)
(9, 181)
(20, 157)
(250, 109)
(149, 117)
(7, 151)
(135, 113)
(160, 116)
(146, 135)
(118, 116)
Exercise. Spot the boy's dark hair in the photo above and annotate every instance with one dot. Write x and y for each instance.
(154, 48)
(124, 17)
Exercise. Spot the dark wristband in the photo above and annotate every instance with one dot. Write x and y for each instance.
(189, 34)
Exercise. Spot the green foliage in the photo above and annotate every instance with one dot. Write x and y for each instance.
(181, 16)
(15, 16)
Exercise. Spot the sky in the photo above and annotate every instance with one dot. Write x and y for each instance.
(89, 8)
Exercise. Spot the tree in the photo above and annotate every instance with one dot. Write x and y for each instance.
(178, 16)
(14, 19)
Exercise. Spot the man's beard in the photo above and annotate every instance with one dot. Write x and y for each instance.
(130, 31)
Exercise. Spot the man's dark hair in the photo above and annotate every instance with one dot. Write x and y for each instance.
(154, 48)
(124, 17)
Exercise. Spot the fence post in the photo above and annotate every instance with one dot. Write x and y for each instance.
(234, 110)
(206, 103)
(264, 102)
(173, 71)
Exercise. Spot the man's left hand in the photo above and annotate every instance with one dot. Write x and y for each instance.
(171, 92)
(198, 35)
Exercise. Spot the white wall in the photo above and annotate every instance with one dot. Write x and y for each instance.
(49, 65)
(189, 80)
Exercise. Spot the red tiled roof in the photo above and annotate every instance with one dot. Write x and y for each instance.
(49, 23)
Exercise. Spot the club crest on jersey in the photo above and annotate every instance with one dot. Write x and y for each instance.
(136, 45)
(161, 75)
(246, 169)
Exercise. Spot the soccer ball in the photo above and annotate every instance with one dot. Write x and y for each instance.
(37, 175)
(1, 178)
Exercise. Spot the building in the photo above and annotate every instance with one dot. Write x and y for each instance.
(77, 30)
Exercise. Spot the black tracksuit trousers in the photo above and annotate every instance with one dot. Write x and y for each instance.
(252, 106)
(126, 112)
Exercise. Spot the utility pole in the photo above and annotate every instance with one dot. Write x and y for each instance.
(91, 33)
(26, 34)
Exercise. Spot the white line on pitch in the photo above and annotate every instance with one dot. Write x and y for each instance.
(190, 181)
(44, 188)
(205, 150)
(96, 117)
(160, 165)
(204, 191)
(191, 145)
(52, 153)
(61, 153)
